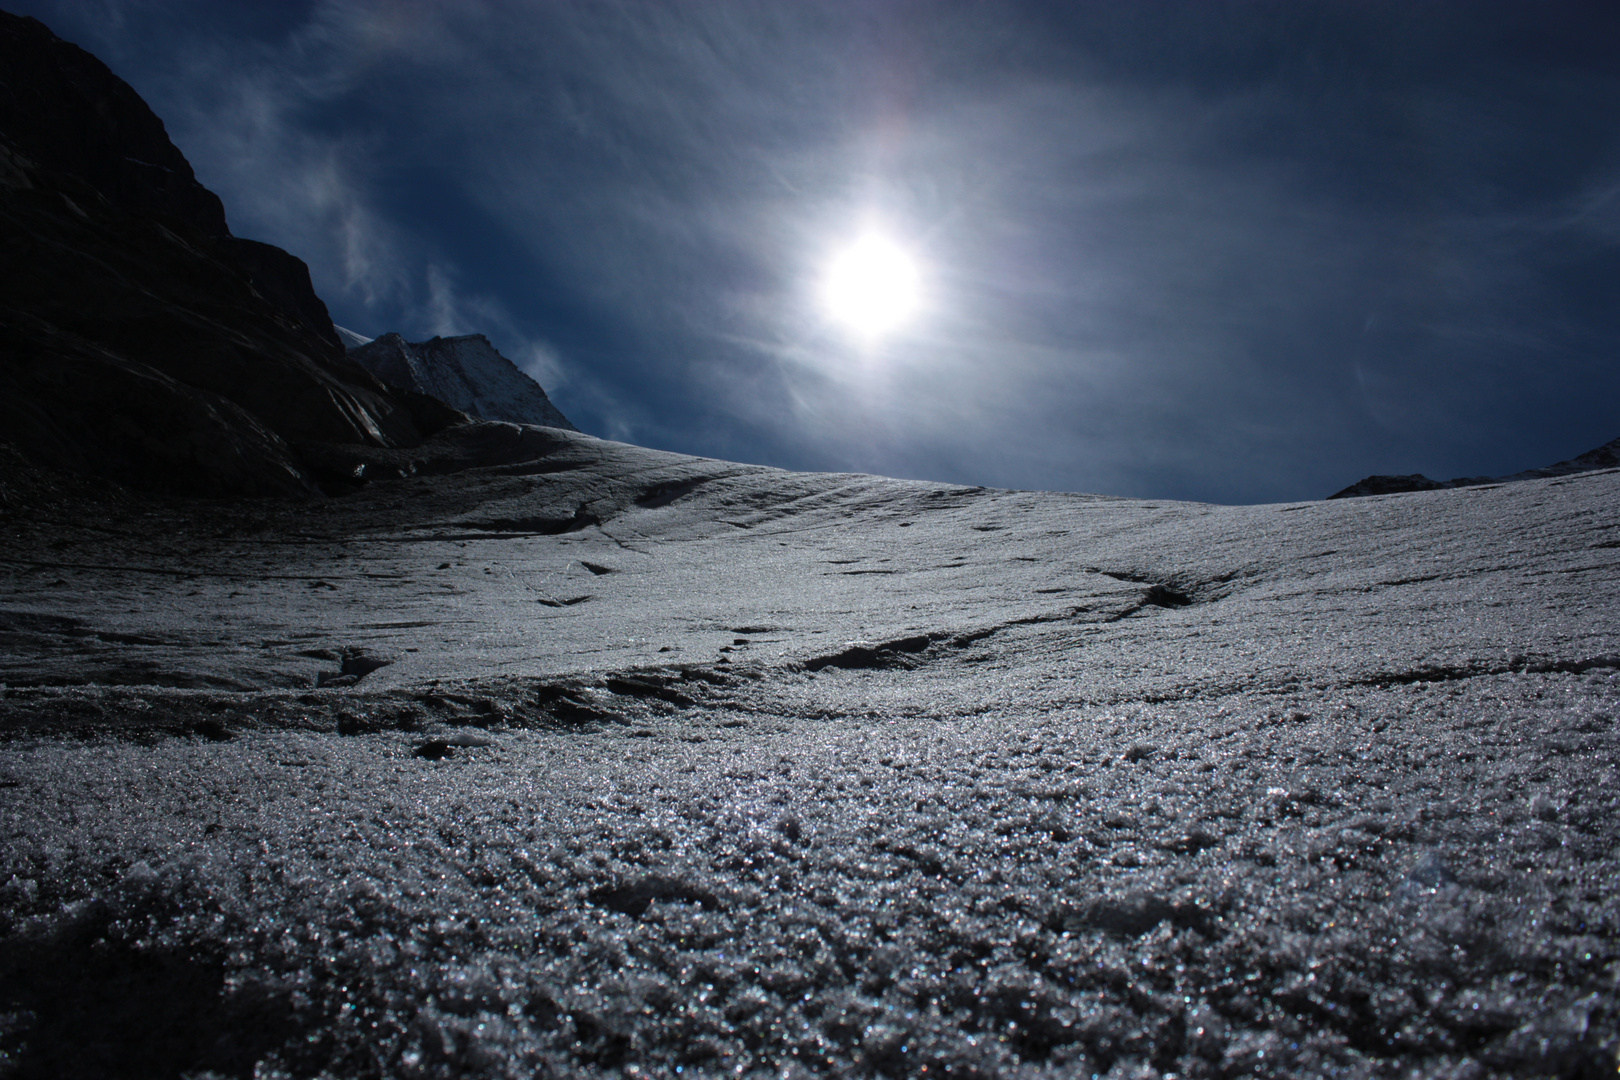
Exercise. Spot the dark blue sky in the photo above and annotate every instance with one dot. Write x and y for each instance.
(1237, 252)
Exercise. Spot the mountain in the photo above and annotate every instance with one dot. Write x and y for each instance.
(1606, 456)
(465, 372)
(139, 340)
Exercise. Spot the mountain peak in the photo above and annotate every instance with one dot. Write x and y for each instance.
(465, 372)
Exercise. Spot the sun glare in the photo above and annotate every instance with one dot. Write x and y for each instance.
(871, 287)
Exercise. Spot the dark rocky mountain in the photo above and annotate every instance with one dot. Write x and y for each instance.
(139, 340)
(67, 111)
(465, 372)
(1606, 456)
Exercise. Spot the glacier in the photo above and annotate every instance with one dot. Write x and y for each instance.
(584, 759)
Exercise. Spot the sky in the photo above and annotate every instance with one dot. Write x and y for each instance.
(1230, 252)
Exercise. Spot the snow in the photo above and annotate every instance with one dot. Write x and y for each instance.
(738, 771)
(464, 372)
(349, 338)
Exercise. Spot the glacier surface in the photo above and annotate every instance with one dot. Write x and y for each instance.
(596, 760)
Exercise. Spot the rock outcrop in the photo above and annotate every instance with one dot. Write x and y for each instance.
(1606, 456)
(139, 340)
(70, 114)
(1392, 485)
(466, 373)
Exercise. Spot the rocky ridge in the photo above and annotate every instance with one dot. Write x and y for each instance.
(139, 340)
(1606, 456)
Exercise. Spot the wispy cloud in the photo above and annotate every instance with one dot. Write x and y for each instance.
(451, 312)
(445, 310)
(241, 117)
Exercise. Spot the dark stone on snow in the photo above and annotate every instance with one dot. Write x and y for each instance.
(334, 679)
(1166, 597)
(1190, 843)
(539, 525)
(889, 654)
(1129, 915)
(646, 687)
(572, 706)
(213, 730)
(360, 665)
(666, 493)
(634, 898)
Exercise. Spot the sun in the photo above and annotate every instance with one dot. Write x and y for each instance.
(872, 287)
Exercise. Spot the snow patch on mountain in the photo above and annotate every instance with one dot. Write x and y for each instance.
(350, 339)
(464, 372)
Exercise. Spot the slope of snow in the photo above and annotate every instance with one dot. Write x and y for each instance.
(349, 338)
(464, 372)
(598, 761)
